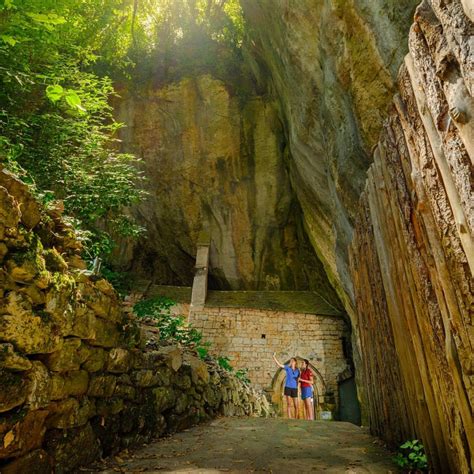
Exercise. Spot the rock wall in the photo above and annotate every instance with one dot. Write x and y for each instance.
(331, 67)
(75, 381)
(215, 162)
(412, 256)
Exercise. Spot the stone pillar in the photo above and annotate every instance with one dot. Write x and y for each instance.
(199, 291)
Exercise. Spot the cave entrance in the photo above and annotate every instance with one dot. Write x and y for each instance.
(278, 386)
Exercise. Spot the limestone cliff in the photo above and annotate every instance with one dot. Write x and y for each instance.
(331, 66)
(412, 256)
(216, 162)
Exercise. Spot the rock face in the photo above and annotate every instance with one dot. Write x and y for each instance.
(331, 67)
(216, 162)
(412, 256)
(75, 383)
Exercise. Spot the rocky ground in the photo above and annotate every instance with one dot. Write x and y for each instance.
(258, 445)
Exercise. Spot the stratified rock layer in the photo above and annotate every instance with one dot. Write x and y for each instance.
(75, 383)
(412, 256)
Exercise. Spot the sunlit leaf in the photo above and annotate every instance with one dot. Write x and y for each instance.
(54, 93)
(8, 4)
(9, 40)
(47, 19)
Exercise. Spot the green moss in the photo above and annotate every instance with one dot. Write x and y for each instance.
(33, 254)
(62, 281)
(54, 261)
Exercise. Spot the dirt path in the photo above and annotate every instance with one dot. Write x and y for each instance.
(259, 445)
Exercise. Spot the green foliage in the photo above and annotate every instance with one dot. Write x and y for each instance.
(224, 363)
(176, 38)
(171, 327)
(242, 374)
(411, 456)
(56, 125)
(121, 281)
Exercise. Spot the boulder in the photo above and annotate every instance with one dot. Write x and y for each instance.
(3, 251)
(83, 322)
(14, 390)
(105, 287)
(58, 306)
(164, 398)
(199, 369)
(126, 392)
(74, 383)
(70, 413)
(29, 333)
(11, 360)
(181, 404)
(95, 360)
(172, 356)
(70, 357)
(102, 386)
(55, 261)
(27, 266)
(110, 406)
(39, 386)
(182, 381)
(29, 208)
(106, 333)
(104, 305)
(72, 448)
(144, 378)
(22, 433)
(119, 360)
(34, 294)
(9, 209)
(75, 261)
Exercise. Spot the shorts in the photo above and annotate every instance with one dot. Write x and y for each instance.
(291, 392)
(306, 392)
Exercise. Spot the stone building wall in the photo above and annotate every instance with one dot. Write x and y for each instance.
(250, 336)
(75, 380)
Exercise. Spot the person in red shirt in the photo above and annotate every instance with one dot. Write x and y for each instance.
(306, 381)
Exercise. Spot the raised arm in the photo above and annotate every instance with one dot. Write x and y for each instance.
(277, 362)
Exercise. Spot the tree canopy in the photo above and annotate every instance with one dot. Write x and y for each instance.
(58, 63)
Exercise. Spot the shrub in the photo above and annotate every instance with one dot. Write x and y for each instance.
(411, 456)
(171, 327)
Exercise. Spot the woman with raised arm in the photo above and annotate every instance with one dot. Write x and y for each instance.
(306, 381)
(291, 384)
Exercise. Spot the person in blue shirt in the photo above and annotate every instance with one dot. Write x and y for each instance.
(291, 384)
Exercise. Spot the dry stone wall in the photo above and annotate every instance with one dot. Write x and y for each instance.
(412, 252)
(76, 383)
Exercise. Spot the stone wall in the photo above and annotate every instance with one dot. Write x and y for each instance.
(412, 252)
(250, 336)
(76, 383)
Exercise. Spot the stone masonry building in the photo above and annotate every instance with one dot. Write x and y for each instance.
(248, 326)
